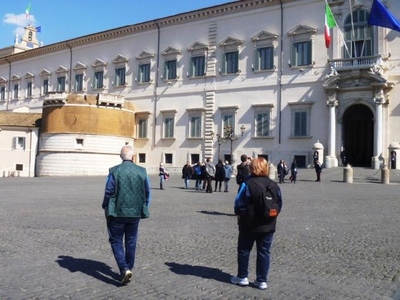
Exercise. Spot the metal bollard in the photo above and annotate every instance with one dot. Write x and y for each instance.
(348, 174)
(271, 172)
(385, 175)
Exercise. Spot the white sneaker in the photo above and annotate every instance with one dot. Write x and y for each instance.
(240, 281)
(126, 276)
(260, 285)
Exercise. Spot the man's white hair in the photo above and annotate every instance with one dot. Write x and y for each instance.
(126, 152)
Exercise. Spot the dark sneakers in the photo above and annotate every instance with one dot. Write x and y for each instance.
(126, 276)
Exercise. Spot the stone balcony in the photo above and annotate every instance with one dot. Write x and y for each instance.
(377, 62)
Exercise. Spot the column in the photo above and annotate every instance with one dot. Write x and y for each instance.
(331, 159)
(378, 129)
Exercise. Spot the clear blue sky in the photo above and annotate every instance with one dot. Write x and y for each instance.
(63, 20)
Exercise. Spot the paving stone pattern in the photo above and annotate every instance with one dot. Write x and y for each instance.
(334, 241)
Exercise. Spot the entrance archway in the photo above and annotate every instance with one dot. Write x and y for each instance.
(358, 135)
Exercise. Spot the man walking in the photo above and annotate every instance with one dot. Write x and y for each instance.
(126, 201)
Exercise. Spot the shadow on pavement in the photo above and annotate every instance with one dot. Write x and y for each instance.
(216, 213)
(96, 269)
(199, 271)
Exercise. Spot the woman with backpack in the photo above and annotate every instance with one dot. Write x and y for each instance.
(257, 206)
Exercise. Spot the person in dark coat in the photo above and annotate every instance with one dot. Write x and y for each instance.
(293, 171)
(282, 171)
(343, 157)
(219, 175)
(252, 227)
(315, 156)
(318, 170)
(187, 173)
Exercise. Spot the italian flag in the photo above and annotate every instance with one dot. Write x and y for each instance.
(28, 10)
(329, 23)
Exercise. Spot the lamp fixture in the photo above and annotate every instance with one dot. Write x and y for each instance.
(242, 129)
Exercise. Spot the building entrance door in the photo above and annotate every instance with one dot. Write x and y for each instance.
(358, 135)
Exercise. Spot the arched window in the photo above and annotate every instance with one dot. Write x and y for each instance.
(358, 35)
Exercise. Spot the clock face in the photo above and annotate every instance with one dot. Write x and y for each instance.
(30, 36)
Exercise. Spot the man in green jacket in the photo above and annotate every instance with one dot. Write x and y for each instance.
(126, 201)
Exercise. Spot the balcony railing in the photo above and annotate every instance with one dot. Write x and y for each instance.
(55, 98)
(365, 62)
(110, 100)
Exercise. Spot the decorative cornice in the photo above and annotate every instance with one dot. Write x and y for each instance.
(196, 15)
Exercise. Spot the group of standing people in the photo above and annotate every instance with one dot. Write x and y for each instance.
(205, 173)
(283, 170)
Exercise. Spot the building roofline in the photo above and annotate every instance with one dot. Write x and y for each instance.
(199, 14)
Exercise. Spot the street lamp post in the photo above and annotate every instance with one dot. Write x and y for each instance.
(229, 135)
(219, 140)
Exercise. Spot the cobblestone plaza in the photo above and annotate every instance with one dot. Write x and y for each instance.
(334, 240)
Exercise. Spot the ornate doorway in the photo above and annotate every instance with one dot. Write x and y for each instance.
(358, 135)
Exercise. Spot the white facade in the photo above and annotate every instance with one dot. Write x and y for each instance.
(18, 149)
(64, 155)
(295, 102)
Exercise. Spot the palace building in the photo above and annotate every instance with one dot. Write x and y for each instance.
(247, 77)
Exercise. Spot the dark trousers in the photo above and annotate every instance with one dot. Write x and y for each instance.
(120, 231)
(218, 184)
(245, 244)
(209, 185)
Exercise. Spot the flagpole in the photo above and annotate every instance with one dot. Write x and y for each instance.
(352, 26)
(341, 34)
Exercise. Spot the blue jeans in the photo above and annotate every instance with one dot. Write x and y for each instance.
(245, 244)
(226, 184)
(119, 229)
(186, 182)
(198, 184)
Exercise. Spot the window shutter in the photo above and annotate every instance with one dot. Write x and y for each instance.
(223, 63)
(256, 59)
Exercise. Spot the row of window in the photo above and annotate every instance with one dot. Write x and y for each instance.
(262, 124)
(358, 42)
(168, 158)
(230, 65)
(264, 59)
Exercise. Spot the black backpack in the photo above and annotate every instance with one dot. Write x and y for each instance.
(269, 207)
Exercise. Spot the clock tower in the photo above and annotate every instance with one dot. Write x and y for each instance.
(29, 39)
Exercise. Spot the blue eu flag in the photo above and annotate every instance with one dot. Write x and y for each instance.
(382, 17)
